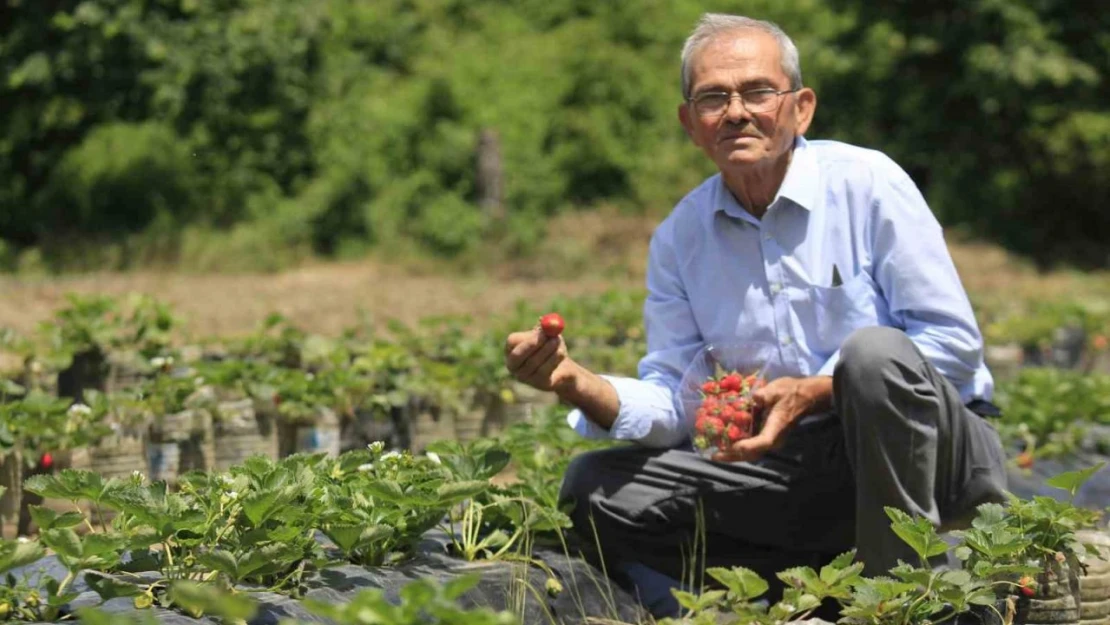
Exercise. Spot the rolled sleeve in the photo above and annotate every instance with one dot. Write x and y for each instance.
(647, 415)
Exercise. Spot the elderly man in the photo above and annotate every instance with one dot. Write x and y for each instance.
(829, 252)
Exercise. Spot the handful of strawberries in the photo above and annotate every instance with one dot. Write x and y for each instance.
(725, 413)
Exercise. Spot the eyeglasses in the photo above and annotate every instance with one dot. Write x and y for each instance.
(715, 103)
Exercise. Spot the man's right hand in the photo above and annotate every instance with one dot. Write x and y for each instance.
(538, 360)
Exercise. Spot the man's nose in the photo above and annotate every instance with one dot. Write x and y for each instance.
(735, 110)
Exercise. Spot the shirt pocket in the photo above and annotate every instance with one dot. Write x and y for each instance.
(831, 314)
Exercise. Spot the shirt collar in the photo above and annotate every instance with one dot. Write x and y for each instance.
(800, 185)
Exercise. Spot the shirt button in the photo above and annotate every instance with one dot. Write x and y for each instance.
(775, 288)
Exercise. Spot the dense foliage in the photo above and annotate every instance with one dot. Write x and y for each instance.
(241, 131)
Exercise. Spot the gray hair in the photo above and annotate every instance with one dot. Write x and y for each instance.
(713, 24)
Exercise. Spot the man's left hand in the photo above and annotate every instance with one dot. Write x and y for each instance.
(781, 403)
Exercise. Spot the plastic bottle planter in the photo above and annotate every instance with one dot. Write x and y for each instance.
(11, 478)
(178, 444)
(240, 433)
(163, 461)
(118, 455)
(321, 436)
(1057, 600)
(475, 420)
(1094, 580)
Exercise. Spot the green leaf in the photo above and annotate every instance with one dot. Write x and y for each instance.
(458, 491)
(956, 577)
(110, 588)
(14, 554)
(989, 515)
(64, 542)
(344, 536)
(386, 491)
(102, 544)
(1072, 481)
(209, 599)
(744, 584)
(259, 505)
(221, 561)
(801, 577)
(918, 533)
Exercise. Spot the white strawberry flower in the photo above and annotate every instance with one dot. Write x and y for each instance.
(391, 455)
(78, 410)
(369, 466)
(376, 447)
(434, 457)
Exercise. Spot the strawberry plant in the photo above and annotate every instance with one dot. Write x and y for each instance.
(492, 520)
(541, 451)
(377, 505)
(740, 588)
(20, 600)
(421, 602)
(1045, 409)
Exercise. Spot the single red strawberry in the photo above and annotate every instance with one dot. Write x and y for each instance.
(731, 382)
(709, 388)
(1025, 460)
(714, 426)
(46, 461)
(734, 433)
(1027, 586)
(552, 324)
(699, 424)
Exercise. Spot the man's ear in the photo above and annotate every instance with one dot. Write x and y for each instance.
(685, 119)
(805, 105)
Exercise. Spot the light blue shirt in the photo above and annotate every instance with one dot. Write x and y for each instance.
(718, 275)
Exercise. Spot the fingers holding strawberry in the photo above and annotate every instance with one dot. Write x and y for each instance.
(538, 357)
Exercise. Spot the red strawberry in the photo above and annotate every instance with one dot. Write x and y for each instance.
(734, 433)
(552, 324)
(699, 424)
(714, 426)
(709, 388)
(1100, 342)
(46, 461)
(1025, 460)
(731, 382)
(1027, 586)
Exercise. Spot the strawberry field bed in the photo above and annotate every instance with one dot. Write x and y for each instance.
(279, 473)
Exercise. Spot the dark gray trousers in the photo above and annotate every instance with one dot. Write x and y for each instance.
(899, 436)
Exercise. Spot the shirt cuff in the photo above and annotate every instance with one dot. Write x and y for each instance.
(630, 425)
(830, 364)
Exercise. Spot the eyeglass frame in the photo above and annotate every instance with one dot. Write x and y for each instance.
(692, 100)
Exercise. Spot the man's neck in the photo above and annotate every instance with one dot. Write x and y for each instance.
(755, 188)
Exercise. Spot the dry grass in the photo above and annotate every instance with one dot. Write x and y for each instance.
(584, 253)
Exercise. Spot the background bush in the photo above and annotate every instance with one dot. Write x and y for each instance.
(215, 129)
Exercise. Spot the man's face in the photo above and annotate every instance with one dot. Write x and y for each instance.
(737, 139)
